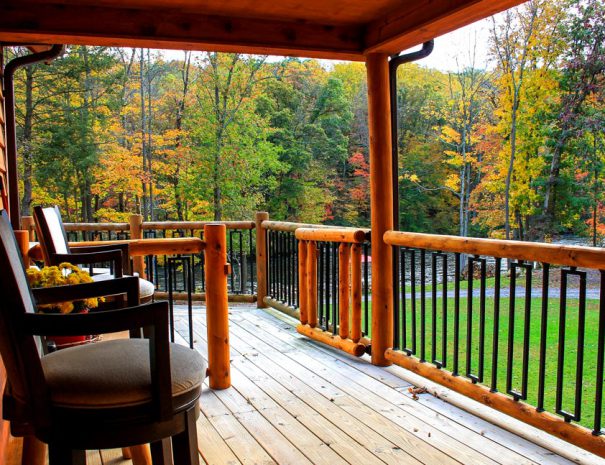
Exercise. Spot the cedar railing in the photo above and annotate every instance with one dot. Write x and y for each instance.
(335, 321)
(535, 352)
(178, 276)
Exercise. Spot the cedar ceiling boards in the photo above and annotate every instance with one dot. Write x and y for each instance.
(334, 29)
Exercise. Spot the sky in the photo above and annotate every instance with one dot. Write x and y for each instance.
(452, 51)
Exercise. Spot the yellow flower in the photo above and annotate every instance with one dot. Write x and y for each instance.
(64, 274)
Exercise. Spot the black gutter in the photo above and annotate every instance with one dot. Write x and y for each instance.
(395, 62)
(11, 130)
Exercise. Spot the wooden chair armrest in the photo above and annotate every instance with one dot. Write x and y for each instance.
(53, 295)
(124, 248)
(114, 256)
(152, 317)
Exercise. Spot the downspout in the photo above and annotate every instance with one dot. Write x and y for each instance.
(11, 129)
(395, 62)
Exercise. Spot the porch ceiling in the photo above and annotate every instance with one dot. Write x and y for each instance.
(335, 29)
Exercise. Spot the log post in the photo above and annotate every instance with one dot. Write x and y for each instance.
(381, 199)
(28, 224)
(217, 307)
(356, 256)
(302, 282)
(136, 232)
(311, 273)
(23, 241)
(261, 259)
(344, 289)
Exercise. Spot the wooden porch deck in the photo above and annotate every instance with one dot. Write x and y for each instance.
(296, 402)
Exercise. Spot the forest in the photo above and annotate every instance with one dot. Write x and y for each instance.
(516, 150)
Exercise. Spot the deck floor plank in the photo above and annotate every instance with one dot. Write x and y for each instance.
(457, 442)
(255, 384)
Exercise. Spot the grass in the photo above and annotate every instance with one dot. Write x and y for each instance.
(552, 343)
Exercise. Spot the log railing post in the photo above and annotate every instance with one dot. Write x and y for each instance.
(217, 307)
(312, 283)
(356, 256)
(302, 282)
(381, 199)
(261, 259)
(136, 232)
(344, 289)
(28, 224)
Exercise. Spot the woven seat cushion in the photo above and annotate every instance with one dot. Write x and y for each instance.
(115, 373)
(146, 288)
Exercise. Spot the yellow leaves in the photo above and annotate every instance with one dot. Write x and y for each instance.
(412, 177)
(453, 182)
(450, 135)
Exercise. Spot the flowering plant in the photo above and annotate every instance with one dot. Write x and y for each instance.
(62, 275)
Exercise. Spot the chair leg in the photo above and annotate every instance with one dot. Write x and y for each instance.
(34, 451)
(61, 455)
(161, 452)
(185, 443)
(140, 455)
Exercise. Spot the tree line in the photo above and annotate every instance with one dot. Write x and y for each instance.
(512, 151)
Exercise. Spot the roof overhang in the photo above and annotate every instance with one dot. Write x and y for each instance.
(333, 29)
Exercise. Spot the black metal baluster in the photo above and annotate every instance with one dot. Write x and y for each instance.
(168, 264)
(335, 314)
(526, 330)
(396, 312)
(443, 361)
(404, 314)
(320, 285)
(422, 305)
(576, 415)
(496, 337)
(598, 411)
(366, 289)
(455, 367)
(511, 332)
(469, 321)
(413, 302)
(543, 335)
(434, 307)
(483, 272)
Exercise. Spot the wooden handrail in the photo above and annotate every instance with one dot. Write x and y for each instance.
(287, 226)
(163, 225)
(153, 246)
(96, 226)
(156, 225)
(140, 247)
(339, 235)
(589, 257)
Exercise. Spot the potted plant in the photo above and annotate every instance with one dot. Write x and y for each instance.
(63, 275)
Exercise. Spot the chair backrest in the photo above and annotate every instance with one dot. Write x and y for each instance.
(51, 233)
(18, 350)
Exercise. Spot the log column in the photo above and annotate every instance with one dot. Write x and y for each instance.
(381, 197)
(261, 259)
(217, 306)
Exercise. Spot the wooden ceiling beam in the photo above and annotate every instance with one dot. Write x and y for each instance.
(424, 20)
(106, 26)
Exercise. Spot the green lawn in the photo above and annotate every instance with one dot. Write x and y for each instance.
(552, 338)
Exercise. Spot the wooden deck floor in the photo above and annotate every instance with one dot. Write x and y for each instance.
(296, 402)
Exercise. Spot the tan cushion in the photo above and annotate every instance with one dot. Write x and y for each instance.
(146, 288)
(115, 373)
